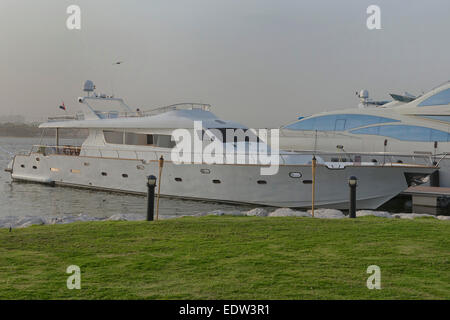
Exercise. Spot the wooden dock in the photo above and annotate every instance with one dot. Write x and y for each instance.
(431, 197)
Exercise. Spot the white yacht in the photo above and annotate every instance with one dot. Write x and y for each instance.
(123, 147)
(409, 129)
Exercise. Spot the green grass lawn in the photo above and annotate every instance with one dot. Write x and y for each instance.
(229, 258)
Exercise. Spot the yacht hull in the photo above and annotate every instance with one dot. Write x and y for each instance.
(218, 182)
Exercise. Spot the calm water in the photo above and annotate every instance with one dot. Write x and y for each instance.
(27, 199)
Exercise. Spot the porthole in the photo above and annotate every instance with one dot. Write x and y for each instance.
(104, 174)
(124, 175)
(140, 167)
(307, 181)
(178, 179)
(374, 160)
(216, 181)
(205, 171)
(37, 159)
(34, 167)
(295, 174)
(262, 182)
(22, 166)
(86, 164)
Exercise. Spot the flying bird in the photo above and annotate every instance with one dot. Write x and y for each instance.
(118, 62)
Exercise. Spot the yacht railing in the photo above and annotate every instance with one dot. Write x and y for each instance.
(429, 156)
(339, 157)
(442, 158)
(135, 114)
(178, 106)
(77, 116)
(62, 150)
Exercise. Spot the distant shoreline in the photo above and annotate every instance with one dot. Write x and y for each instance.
(31, 130)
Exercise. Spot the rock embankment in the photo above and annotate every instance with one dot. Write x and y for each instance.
(22, 222)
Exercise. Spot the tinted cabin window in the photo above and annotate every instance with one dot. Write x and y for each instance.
(231, 134)
(163, 140)
(138, 139)
(113, 137)
(337, 122)
(441, 98)
(406, 133)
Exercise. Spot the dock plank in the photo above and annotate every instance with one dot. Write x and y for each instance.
(425, 190)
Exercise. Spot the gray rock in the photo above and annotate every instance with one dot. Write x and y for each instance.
(364, 213)
(117, 217)
(6, 222)
(216, 213)
(258, 212)
(124, 217)
(287, 212)
(24, 225)
(28, 221)
(328, 214)
(235, 213)
(411, 215)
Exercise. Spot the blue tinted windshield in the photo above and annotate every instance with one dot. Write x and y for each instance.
(441, 98)
(406, 133)
(337, 122)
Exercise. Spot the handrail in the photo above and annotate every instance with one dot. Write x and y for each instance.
(377, 153)
(445, 155)
(77, 150)
(282, 152)
(77, 116)
(137, 113)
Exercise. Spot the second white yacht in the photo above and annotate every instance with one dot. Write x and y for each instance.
(408, 129)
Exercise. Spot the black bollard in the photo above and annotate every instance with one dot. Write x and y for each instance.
(151, 183)
(352, 182)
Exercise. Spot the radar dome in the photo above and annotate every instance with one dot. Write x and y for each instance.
(89, 86)
(364, 94)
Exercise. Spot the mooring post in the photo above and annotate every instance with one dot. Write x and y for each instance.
(161, 165)
(352, 182)
(151, 183)
(313, 191)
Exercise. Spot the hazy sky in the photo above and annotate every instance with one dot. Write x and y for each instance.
(259, 62)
